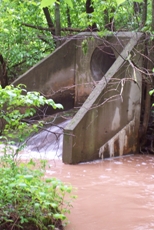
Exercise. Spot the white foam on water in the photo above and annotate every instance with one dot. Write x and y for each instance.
(47, 144)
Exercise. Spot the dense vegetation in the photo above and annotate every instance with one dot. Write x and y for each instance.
(28, 200)
(30, 30)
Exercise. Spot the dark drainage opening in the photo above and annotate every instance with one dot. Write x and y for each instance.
(102, 59)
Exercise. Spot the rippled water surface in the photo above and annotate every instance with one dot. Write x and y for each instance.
(115, 194)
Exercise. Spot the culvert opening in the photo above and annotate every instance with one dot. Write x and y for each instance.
(102, 59)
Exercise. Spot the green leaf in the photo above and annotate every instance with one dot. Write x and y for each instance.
(22, 185)
(54, 205)
(139, 1)
(36, 205)
(48, 180)
(69, 2)
(45, 3)
(42, 194)
(120, 1)
(151, 92)
(59, 106)
(59, 216)
(28, 177)
(31, 162)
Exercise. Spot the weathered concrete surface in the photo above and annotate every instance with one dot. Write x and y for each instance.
(54, 75)
(92, 65)
(69, 75)
(108, 122)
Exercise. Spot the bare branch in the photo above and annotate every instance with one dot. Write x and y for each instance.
(53, 29)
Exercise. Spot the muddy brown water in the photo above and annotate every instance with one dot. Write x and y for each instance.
(115, 194)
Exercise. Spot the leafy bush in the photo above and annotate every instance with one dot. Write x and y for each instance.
(16, 106)
(28, 200)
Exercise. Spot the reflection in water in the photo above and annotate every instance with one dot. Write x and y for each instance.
(115, 194)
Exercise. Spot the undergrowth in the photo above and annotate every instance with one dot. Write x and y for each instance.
(28, 200)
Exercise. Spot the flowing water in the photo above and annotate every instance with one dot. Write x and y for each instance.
(47, 144)
(113, 194)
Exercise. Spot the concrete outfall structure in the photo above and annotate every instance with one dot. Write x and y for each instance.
(106, 84)
(107, 124)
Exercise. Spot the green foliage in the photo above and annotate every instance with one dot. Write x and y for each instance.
(120, 1)
(69, 2)
(84, 46)
(16, 106)
(20, 45)
(45, 3)
(151, 92)
(28, 200)
(23, 46)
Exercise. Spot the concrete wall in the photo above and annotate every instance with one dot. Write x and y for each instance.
(87, 64)
(108, 122)
(54, 75)
(67, 75)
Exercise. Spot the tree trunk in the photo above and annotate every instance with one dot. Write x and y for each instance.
(137, 7)
(137, 12)
(147, 107)
(108, 20)
(90, 10)
(152, 15)
(3, 72)
(49, 20)
(68, 17)
(146, 99)
(144, 13)
(57, 23)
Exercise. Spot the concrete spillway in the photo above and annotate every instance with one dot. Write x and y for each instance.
(106, 84)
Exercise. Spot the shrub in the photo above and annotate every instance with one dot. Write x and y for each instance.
(28, 200)
(16, 106)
